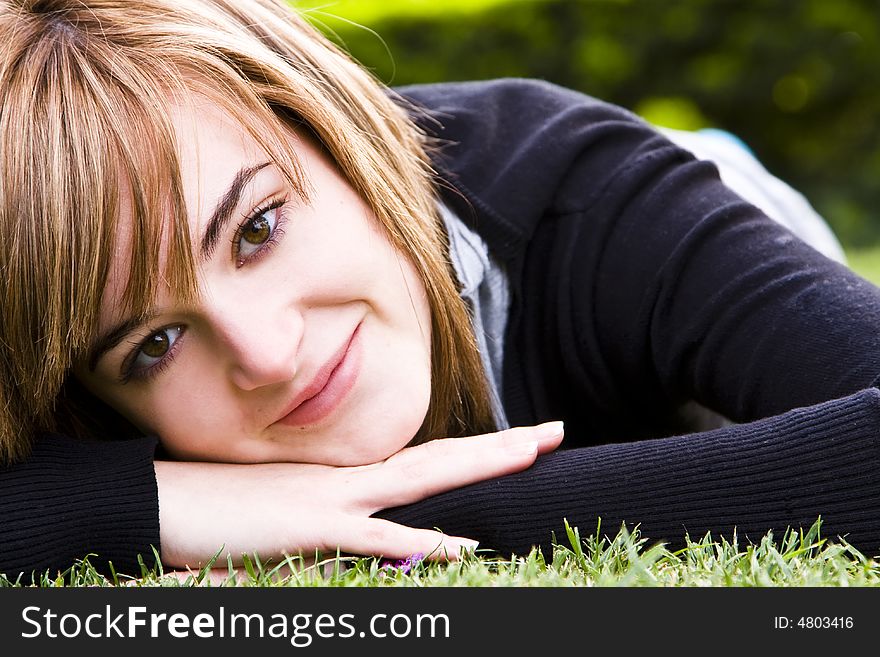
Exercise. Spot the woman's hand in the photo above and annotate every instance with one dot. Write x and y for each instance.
(275, 509)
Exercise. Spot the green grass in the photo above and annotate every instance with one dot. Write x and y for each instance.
(797, 559)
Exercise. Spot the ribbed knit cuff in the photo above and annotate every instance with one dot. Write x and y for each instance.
(71, 499)
(779, 472)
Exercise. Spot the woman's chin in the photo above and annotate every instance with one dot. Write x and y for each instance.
(374, 448)
(359, 438)
(377, 440)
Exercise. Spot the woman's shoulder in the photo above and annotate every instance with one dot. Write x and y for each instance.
(533, 96)
(519, 148)
(512, 111)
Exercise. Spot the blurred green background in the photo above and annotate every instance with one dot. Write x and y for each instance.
(797, 80)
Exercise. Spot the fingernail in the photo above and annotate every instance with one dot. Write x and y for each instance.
(526, 435)
(523, 449)
(550, 429)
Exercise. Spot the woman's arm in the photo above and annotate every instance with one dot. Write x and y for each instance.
(641, 282)
(740, 481)
(71, 499)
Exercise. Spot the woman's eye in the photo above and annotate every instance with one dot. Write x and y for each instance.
(155, 348)
(256, 232)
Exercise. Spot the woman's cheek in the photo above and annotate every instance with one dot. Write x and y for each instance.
(196, 428)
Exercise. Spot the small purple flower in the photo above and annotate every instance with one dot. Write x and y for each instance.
(402, 566)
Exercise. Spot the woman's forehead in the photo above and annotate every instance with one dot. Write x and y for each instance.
(212, 147)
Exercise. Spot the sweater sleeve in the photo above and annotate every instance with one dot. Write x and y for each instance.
(740, 481)
(71, 499)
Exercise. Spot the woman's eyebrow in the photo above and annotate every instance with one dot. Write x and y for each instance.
(223, 210)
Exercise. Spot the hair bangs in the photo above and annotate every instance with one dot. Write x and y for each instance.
(142, 215)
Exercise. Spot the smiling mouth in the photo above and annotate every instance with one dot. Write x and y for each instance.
(330, 386)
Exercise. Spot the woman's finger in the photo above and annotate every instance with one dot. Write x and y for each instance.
(440, 465)
(384, 538)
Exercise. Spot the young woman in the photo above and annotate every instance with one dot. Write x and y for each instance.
(305, 286)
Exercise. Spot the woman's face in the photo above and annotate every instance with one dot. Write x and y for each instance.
(310, 340)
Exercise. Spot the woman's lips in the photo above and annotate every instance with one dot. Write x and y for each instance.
(330, 386)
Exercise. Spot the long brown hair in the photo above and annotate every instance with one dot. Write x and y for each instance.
(86, 88)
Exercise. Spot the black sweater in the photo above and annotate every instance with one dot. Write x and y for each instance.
(639, 282)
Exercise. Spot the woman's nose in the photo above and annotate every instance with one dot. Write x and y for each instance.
(262, 343)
